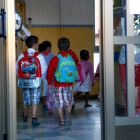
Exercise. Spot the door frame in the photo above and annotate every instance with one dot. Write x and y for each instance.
(107, 41)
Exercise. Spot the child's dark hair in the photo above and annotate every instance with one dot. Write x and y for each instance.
(31, 40)
(46, 44)
(43, 46)
(63, 44)
(84, 54)
(40, 48)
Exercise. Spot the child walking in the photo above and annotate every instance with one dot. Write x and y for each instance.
(85, 86)
(32, 66)
(64, 78)
(45, 49)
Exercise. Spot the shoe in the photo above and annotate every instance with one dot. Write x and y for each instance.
(25, 118)
(68, 119)
(35, 122)
(97, 103)
(44, 107)
(62, 123)
(73, 106)
(88, 105)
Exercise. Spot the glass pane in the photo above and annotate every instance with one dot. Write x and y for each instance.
(120, 81)
(136, 25)
(137, 79)
(119, 16)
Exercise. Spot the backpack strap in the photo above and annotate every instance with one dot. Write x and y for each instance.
(36, 54)
(25, 53)
(59, 56)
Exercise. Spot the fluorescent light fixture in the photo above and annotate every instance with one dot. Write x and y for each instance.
(134, 6)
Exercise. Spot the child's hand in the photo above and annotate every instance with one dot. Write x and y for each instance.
(50, 86)
(92, 85)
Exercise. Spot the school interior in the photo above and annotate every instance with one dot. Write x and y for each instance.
(109, 30)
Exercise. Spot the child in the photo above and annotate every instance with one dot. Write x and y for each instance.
(97, 77)
(63, 90)
(31, 95)
(84, 86)
(45, 48)
(50, 100)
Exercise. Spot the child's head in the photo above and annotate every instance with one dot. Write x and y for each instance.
(47, 46)
(40, 48)
(84, 55)
(32, 42)
(63, 44)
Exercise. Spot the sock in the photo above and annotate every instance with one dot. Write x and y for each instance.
(62, 120)
(34, 118)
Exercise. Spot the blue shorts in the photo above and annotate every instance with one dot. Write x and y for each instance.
(31, 96)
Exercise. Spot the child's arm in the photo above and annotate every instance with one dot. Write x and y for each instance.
(51, 70)
(43, 65)
(91, 73)
(74, 56)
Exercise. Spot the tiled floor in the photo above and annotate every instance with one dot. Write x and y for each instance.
(86, 125)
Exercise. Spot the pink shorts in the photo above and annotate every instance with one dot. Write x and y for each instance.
(63, 96)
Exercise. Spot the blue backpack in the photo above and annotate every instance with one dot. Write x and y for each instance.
(66, 71)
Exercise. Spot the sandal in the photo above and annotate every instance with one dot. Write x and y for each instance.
(62, 123)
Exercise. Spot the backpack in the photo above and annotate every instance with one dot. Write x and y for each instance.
(81, 71)
(66, 71)
(29, 71)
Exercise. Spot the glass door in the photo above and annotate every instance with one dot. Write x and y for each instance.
(120, 63)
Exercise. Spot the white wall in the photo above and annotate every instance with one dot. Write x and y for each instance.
(47, 12)
(77, 12)
(42, 11)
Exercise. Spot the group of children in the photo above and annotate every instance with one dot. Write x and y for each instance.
(57, 85)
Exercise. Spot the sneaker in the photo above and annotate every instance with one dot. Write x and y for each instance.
(62, 123)
(44, 107)
(35, 122)
(68, 119)
(88, 105)
(97, 103)
(25, 118)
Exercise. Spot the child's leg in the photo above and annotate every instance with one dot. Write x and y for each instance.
(45, 90)
(25, 110)
(69, 107)
(86, 100)
(34, 110)
(35, 97)
(59, 103)
(26, 96)
(51, 108)
(60, 112)
(68, 98)
(44, 100)
(76, 95)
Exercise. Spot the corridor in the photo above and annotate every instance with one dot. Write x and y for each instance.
(86, 125)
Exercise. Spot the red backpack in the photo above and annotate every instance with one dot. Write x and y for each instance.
(29, 71)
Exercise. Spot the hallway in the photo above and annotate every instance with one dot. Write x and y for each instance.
(86, 125)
